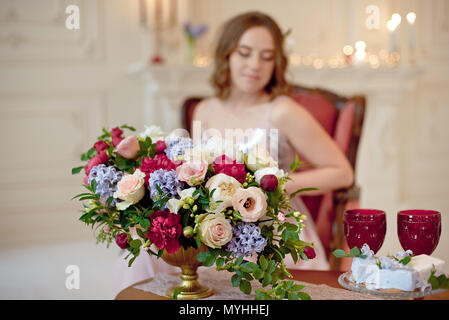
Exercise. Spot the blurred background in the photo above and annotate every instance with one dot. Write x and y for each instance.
(130, 62)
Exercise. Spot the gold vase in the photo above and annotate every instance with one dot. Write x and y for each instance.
(186, 260)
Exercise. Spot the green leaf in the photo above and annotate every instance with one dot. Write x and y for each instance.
(258, 274)
(128, 127)
(297, 287)
(293, 194)
(266, 279)
(219, 262)
(303, 296)
(292, 296)
(406, 260)
(135, 243)
(339, 253)
(245, 286)
(176, 292)
(235, 280)
(246, 267)
(354, 252)
(145, 223)
(263, 263)
(77, 169)
(198, 241)
(203, 256)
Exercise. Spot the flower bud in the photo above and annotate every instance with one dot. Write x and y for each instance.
(190, 201)
(309, 252)
(194, 208)
(160, 146)
(269, 182)
(186, 206)
(297, 214)
(188, 232)
(122, 240)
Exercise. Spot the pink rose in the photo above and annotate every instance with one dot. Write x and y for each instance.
(128, 147)
(192, 172)
(215, 230)
(251, 203)
(130, 189)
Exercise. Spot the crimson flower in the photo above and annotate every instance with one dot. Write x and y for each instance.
(160, 161)
(224, 164)
(165, 230)
(116, 135)
(309, 252)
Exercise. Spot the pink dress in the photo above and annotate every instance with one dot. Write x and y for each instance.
(146, 266)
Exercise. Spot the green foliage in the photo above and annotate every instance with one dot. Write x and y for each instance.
(354, 252)
(440, 282)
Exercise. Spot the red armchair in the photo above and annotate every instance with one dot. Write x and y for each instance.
(342, 118)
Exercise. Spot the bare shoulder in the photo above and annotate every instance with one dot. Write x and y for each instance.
(198, 112)
(287, 110)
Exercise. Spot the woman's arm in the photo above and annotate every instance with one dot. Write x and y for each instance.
(331, 169)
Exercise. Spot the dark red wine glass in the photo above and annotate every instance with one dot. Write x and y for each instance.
(419, 230)
(365, 226)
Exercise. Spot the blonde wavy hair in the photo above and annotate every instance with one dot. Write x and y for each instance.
(231, 32)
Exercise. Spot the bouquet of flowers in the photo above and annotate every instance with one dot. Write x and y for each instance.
(153, 192)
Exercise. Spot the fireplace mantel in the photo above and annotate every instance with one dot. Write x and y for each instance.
(166, 87)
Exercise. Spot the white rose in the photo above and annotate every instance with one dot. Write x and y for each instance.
(131, 189)
(279, 173)
(154, 132)
(225, 186)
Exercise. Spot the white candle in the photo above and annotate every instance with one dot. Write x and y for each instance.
(143, 13)
(391, 25)
(411, 16)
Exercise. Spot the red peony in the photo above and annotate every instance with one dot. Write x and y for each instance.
(160, 161)
(100, 145)
(165, 230)
(224, 164)
(116, 135)
(309, 252)
(100, 158)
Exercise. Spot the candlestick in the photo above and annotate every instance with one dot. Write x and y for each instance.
(173, 13)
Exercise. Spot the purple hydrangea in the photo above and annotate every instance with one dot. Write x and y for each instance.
(167, 181)
(177, 147)
(106, 179)
(246, 240)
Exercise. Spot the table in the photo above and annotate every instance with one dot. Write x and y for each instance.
(329, 278)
